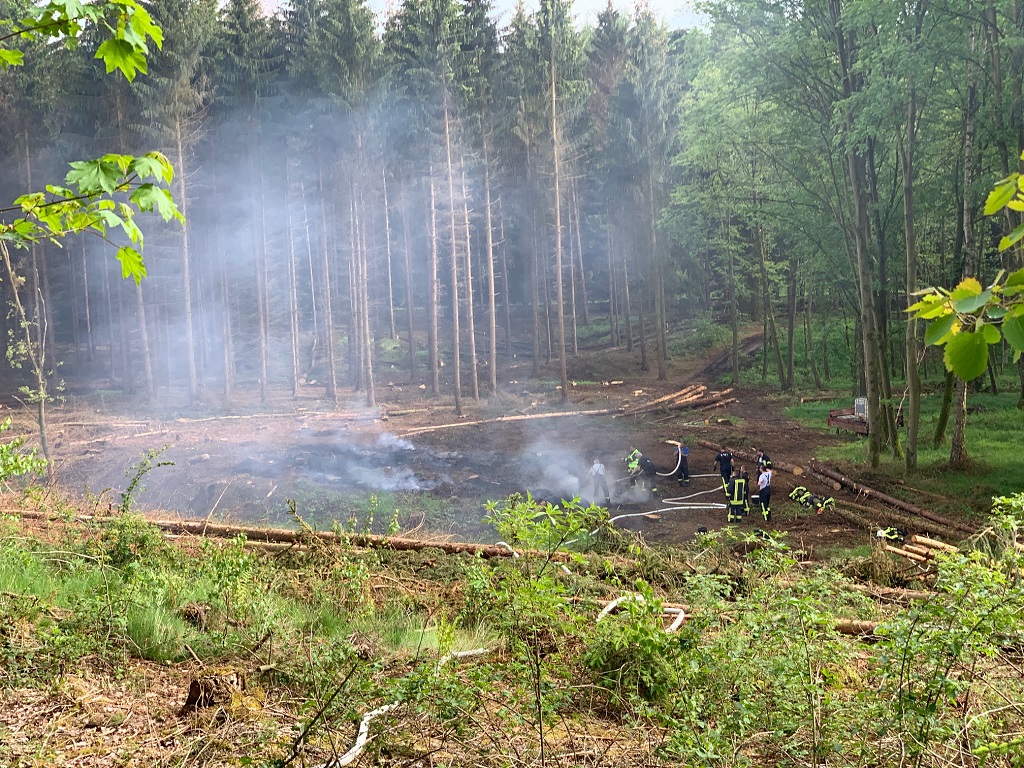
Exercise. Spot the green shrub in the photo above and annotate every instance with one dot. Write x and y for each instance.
(631, 653)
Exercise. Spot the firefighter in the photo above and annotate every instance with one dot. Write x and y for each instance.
(762, 459)
(764, 491)
(644, 470)
(632, 460)
(891, 535)
(597, 477)
(682, 452)
(745, 477)
(724, 462)
(736, 495)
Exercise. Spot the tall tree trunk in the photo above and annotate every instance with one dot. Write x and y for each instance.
(791, 320)
(409, 299)
(492, 318)
(147, 357)
(579, 254)
(856, 171)
(470, 315)
(808, 340)
(89, 339)
(453, 237)
(186, 278)
(508, 288)
(262, 294)
(293, 288)
(574, 335)
(356, 347)
(629, 308)
(313, 302)
(766, 298)
(907, 149)
(432, 291)
(958, 456)
(364, 295)
(387, 248)
(331, 386)
(613, 315)
(660, 337)
(734, 351)
(556, 150)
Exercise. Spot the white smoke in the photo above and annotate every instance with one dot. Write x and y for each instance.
(389, 441)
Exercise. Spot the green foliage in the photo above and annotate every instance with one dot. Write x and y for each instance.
(14, 461)
(521, 521)
(136, 474)
(100, 196)
(125, 26)
(631, 653)
(930, 655)
(969, 319)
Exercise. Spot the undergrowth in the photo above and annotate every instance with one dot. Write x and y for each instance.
(758, 675)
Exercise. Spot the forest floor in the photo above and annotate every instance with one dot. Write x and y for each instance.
(365, 467)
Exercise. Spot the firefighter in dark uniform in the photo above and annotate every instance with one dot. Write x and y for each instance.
(642, 468)
(724, 462)
(736, 496)
(682, 453)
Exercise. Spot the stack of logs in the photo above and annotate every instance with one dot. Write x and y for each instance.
(921, 549)
(695, 397)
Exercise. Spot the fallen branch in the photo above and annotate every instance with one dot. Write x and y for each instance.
(891, 501)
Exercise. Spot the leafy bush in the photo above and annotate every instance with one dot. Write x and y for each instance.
(15, 462)
(631, 653)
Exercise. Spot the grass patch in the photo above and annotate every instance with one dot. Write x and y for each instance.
(994, 439)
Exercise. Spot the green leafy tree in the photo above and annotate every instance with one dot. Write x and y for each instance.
(100, 197)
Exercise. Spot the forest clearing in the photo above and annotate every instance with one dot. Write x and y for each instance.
(461, 384)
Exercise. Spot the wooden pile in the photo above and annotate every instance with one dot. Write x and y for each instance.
(695, 397)
(921, 549)
(863, 490)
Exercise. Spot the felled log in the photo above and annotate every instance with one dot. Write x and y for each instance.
(923, 551)
(524, 417)
(826, 481)
(856, 519)
(905, 521)
(369, 541)
(888, 594)
(924, 541)
(904, 553)
(792, 469)
(856, 628)
(819, 398)
(715, 403)
(891, 501)
(682, 393)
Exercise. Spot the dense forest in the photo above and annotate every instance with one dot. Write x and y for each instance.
(427, 198)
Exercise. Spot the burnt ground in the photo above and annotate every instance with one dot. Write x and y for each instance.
(245, 462)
